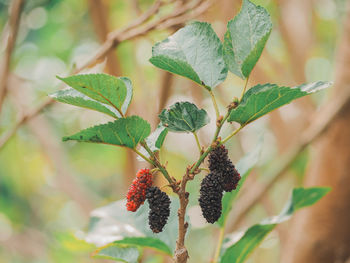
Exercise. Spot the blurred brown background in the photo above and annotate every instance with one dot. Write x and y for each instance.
(48, 188)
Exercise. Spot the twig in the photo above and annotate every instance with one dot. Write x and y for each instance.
(106, 47)
(244, 89)
(197, 141)
(215, 104)
(181, 254)
(14, 21)
(323, 120)
(233, 134)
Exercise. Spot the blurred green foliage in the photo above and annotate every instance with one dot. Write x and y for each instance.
(40, 221)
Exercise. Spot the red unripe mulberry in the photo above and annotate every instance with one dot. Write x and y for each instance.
(136, 195)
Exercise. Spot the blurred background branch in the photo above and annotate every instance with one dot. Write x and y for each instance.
(14, 21)
(177, 17)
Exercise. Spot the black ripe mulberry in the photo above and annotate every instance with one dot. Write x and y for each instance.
(136, 195)
(220, 164)
(159, 204)
(211, 192)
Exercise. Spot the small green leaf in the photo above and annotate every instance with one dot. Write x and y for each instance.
(107, 89)
(129, 94)
(126, 132)
(244, 166)
(149, 242)
(118, 252)
(73, 97)
(262, 99)
(154, 141)
(245, 38)
(184, 117)
(194, 52)
(301, 197)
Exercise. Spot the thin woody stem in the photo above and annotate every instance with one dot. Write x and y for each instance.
(232, 134)
(244, 89)
(144, 157)
(197, 141)
(156, 163)
(215, 104)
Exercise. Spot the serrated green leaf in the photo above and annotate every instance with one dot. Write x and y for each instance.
(107, 89)
(262, 99)
(184, 117)
(301, 197)
(126, 132)
(245, 38)
(118, 252)
(194, 52)
(73, 97)
(244, 166)
(149, 242)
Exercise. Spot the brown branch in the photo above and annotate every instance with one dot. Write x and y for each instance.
(14, 21)
(113, 41)
(322, 122)
(181, 253)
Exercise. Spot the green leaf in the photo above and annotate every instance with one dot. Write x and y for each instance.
(244, 166)
(301, 197)
(129, 93)
(118, 252)
(109, 222)
(184, 117)
(73, 97)
(154, 141)
(126, 132)
(194, 52)
(245, 38)
(149, 242)
(107, 89)
(262, 99)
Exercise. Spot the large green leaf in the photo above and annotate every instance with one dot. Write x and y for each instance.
(119, 252)
(126, 132)
(301, 197)
(244, 166)
(194, 52)
(107, 89)
(149, 242)
(184, 117)
(261, 99)
(245, 38)
(73, 97)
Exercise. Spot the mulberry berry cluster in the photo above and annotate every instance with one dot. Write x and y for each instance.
(210, 197)
(220, 164)
(136, 195)
(159, 204)
(222, 177)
